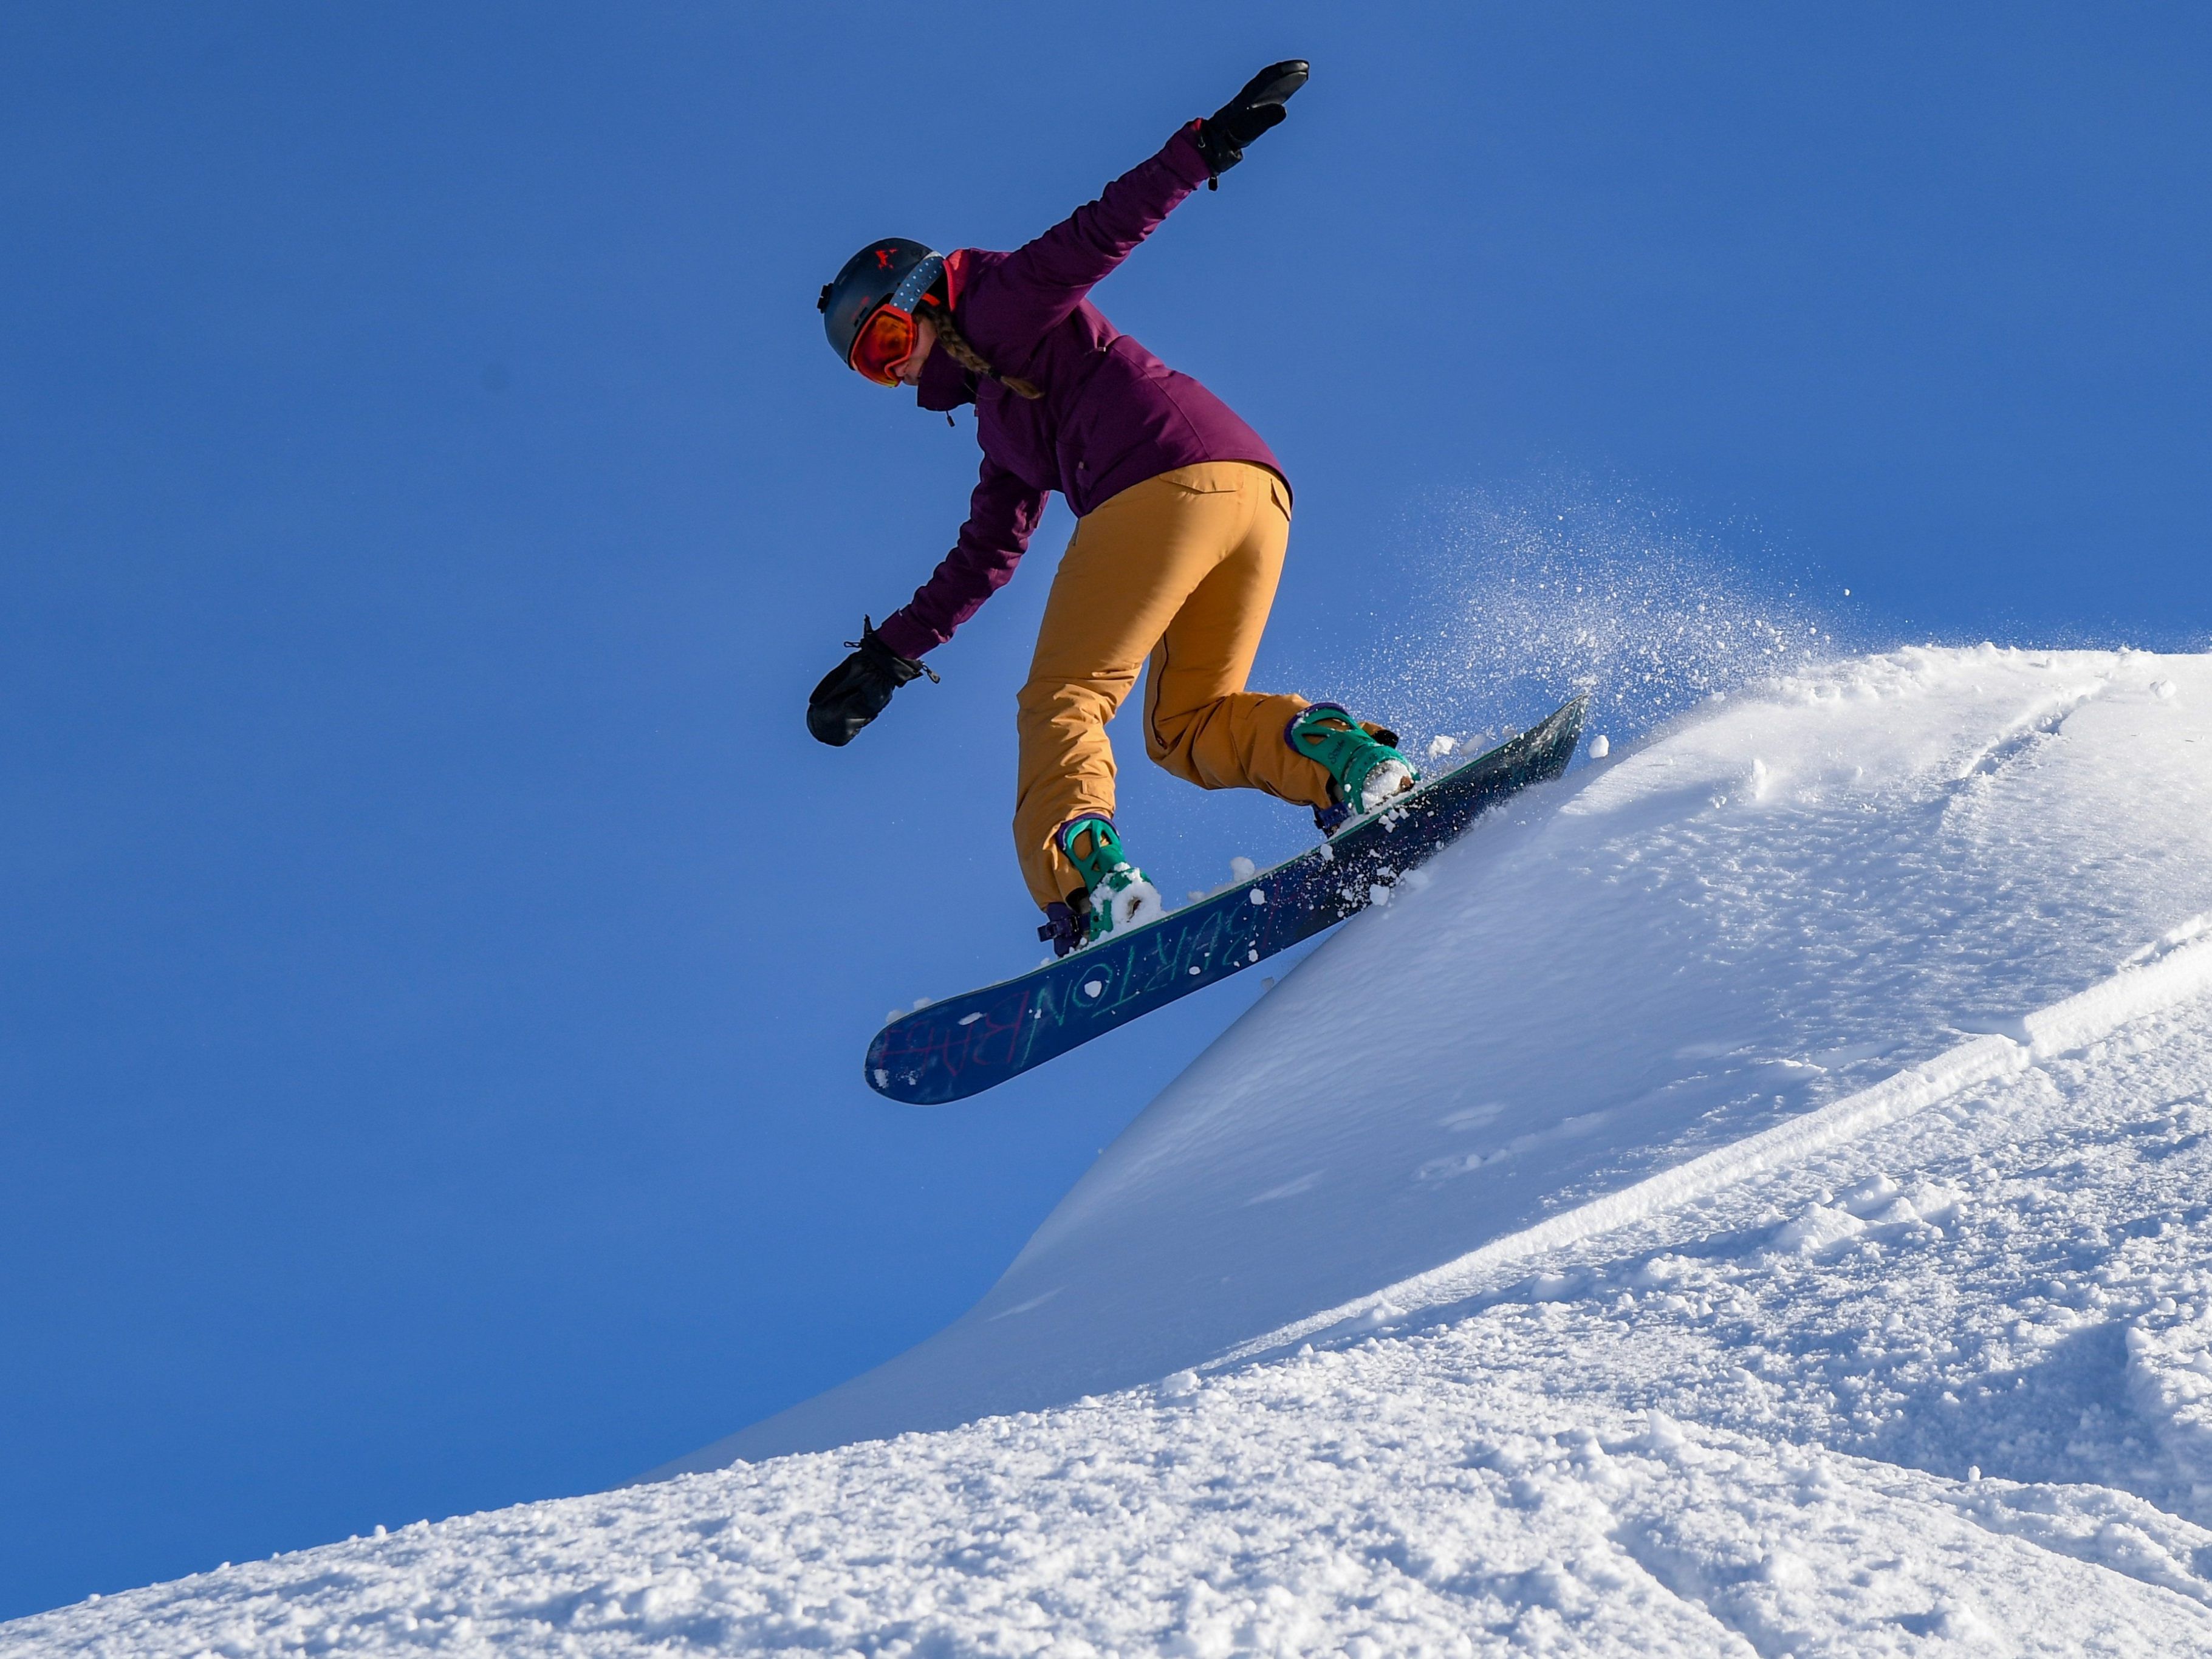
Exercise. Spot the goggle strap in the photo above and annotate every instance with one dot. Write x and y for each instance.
(916, 282)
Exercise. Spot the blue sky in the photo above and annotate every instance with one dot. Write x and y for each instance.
(436, 962)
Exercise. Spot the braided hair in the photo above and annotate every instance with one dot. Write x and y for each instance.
(962, 350)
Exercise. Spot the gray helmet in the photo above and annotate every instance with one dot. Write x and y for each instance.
(893, 271)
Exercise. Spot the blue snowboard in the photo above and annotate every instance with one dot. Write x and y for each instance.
(966, 1044)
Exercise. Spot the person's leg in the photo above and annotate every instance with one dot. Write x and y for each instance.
(1135, 560)
(1200, 721)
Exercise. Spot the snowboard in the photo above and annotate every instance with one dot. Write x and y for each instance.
(949, 1050)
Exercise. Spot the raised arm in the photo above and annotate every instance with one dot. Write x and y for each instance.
(1043, 280)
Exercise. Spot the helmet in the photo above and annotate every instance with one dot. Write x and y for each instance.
(893, 271)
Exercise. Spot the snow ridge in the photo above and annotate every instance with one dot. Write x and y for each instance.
(2064, 1027)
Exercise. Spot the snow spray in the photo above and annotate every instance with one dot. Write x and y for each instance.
(1513, 600)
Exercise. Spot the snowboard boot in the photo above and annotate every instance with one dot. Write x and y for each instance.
(1118, 896)
(1364, 767)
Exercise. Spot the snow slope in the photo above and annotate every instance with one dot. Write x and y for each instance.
(1751, 1200)
(1780, 901)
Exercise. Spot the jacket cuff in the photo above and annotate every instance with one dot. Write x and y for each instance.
(1183, 154)
(905, 635)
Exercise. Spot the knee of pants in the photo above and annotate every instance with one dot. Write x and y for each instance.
(1168, 741)
(1069, 703)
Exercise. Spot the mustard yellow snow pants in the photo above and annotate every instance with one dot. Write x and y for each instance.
(1175, 574)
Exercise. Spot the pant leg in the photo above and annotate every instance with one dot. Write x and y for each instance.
(1134, 560)
(1200, 721)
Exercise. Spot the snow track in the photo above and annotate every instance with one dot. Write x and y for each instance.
(2041, 721)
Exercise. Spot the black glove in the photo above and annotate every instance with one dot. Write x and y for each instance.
(1223, 134)
(858, 689)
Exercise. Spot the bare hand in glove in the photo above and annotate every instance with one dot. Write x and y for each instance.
(1223, 134)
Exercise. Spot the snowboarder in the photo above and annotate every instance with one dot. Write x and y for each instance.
(1182, 517)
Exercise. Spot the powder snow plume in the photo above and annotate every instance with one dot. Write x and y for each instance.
(1519, 597)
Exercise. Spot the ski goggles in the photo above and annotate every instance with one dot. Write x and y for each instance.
(887, 337)
(886, 341)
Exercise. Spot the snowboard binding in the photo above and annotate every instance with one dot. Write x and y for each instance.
(1115, 897)
(1364, 767)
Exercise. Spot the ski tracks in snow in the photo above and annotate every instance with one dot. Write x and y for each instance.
(2041, 721)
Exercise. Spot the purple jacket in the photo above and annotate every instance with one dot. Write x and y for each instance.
(1112, 414)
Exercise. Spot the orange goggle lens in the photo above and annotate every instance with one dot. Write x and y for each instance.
(886, 341)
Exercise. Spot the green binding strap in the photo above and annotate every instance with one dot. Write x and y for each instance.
(1327, 733)
(1104, 854)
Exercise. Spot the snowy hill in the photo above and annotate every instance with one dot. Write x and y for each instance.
(1784, 900)
(1749, 1198)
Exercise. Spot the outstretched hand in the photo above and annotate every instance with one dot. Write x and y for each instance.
(858, 689)
(1222, 135)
